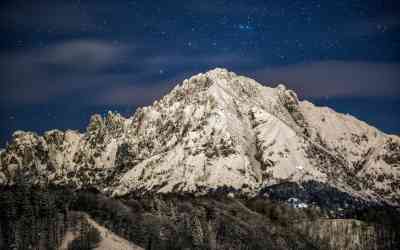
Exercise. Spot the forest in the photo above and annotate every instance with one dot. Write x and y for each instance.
(38, 218)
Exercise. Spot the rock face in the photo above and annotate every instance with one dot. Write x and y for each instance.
(215, 130)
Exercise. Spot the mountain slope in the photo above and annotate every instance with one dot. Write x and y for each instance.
(215, 130)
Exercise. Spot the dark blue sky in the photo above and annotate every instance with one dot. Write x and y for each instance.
(61, 61)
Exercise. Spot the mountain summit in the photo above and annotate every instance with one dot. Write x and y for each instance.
(214, 131)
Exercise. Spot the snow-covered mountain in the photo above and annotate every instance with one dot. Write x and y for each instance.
(214, 130)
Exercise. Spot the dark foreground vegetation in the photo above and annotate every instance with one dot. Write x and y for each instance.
(38, 218)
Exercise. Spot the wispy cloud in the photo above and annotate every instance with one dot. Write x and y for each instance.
(335, 78)
(132, 94)
(87, 54)
(39, 74)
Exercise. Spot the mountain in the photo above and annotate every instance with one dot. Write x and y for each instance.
(215, 130)
(220, 162)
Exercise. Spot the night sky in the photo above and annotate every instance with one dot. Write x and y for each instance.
(61, 61)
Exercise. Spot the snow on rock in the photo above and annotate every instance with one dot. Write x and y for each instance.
(216, 129)
(111, 241)
(296, 203)
(108, 240)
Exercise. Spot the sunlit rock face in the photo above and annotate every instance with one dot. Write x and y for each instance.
(214, 130)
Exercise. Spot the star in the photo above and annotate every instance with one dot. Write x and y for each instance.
(381, 28)
(245, 27)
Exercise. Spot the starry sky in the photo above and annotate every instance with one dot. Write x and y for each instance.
(61, 61)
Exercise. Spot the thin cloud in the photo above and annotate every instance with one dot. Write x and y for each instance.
(37, 75)
(89, 54)
(85, 54)
(134, 94)
(335, 78)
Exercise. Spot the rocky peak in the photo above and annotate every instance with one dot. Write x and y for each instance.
(115, 124)
(216, 129)
(95, 124)
(55, 137)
